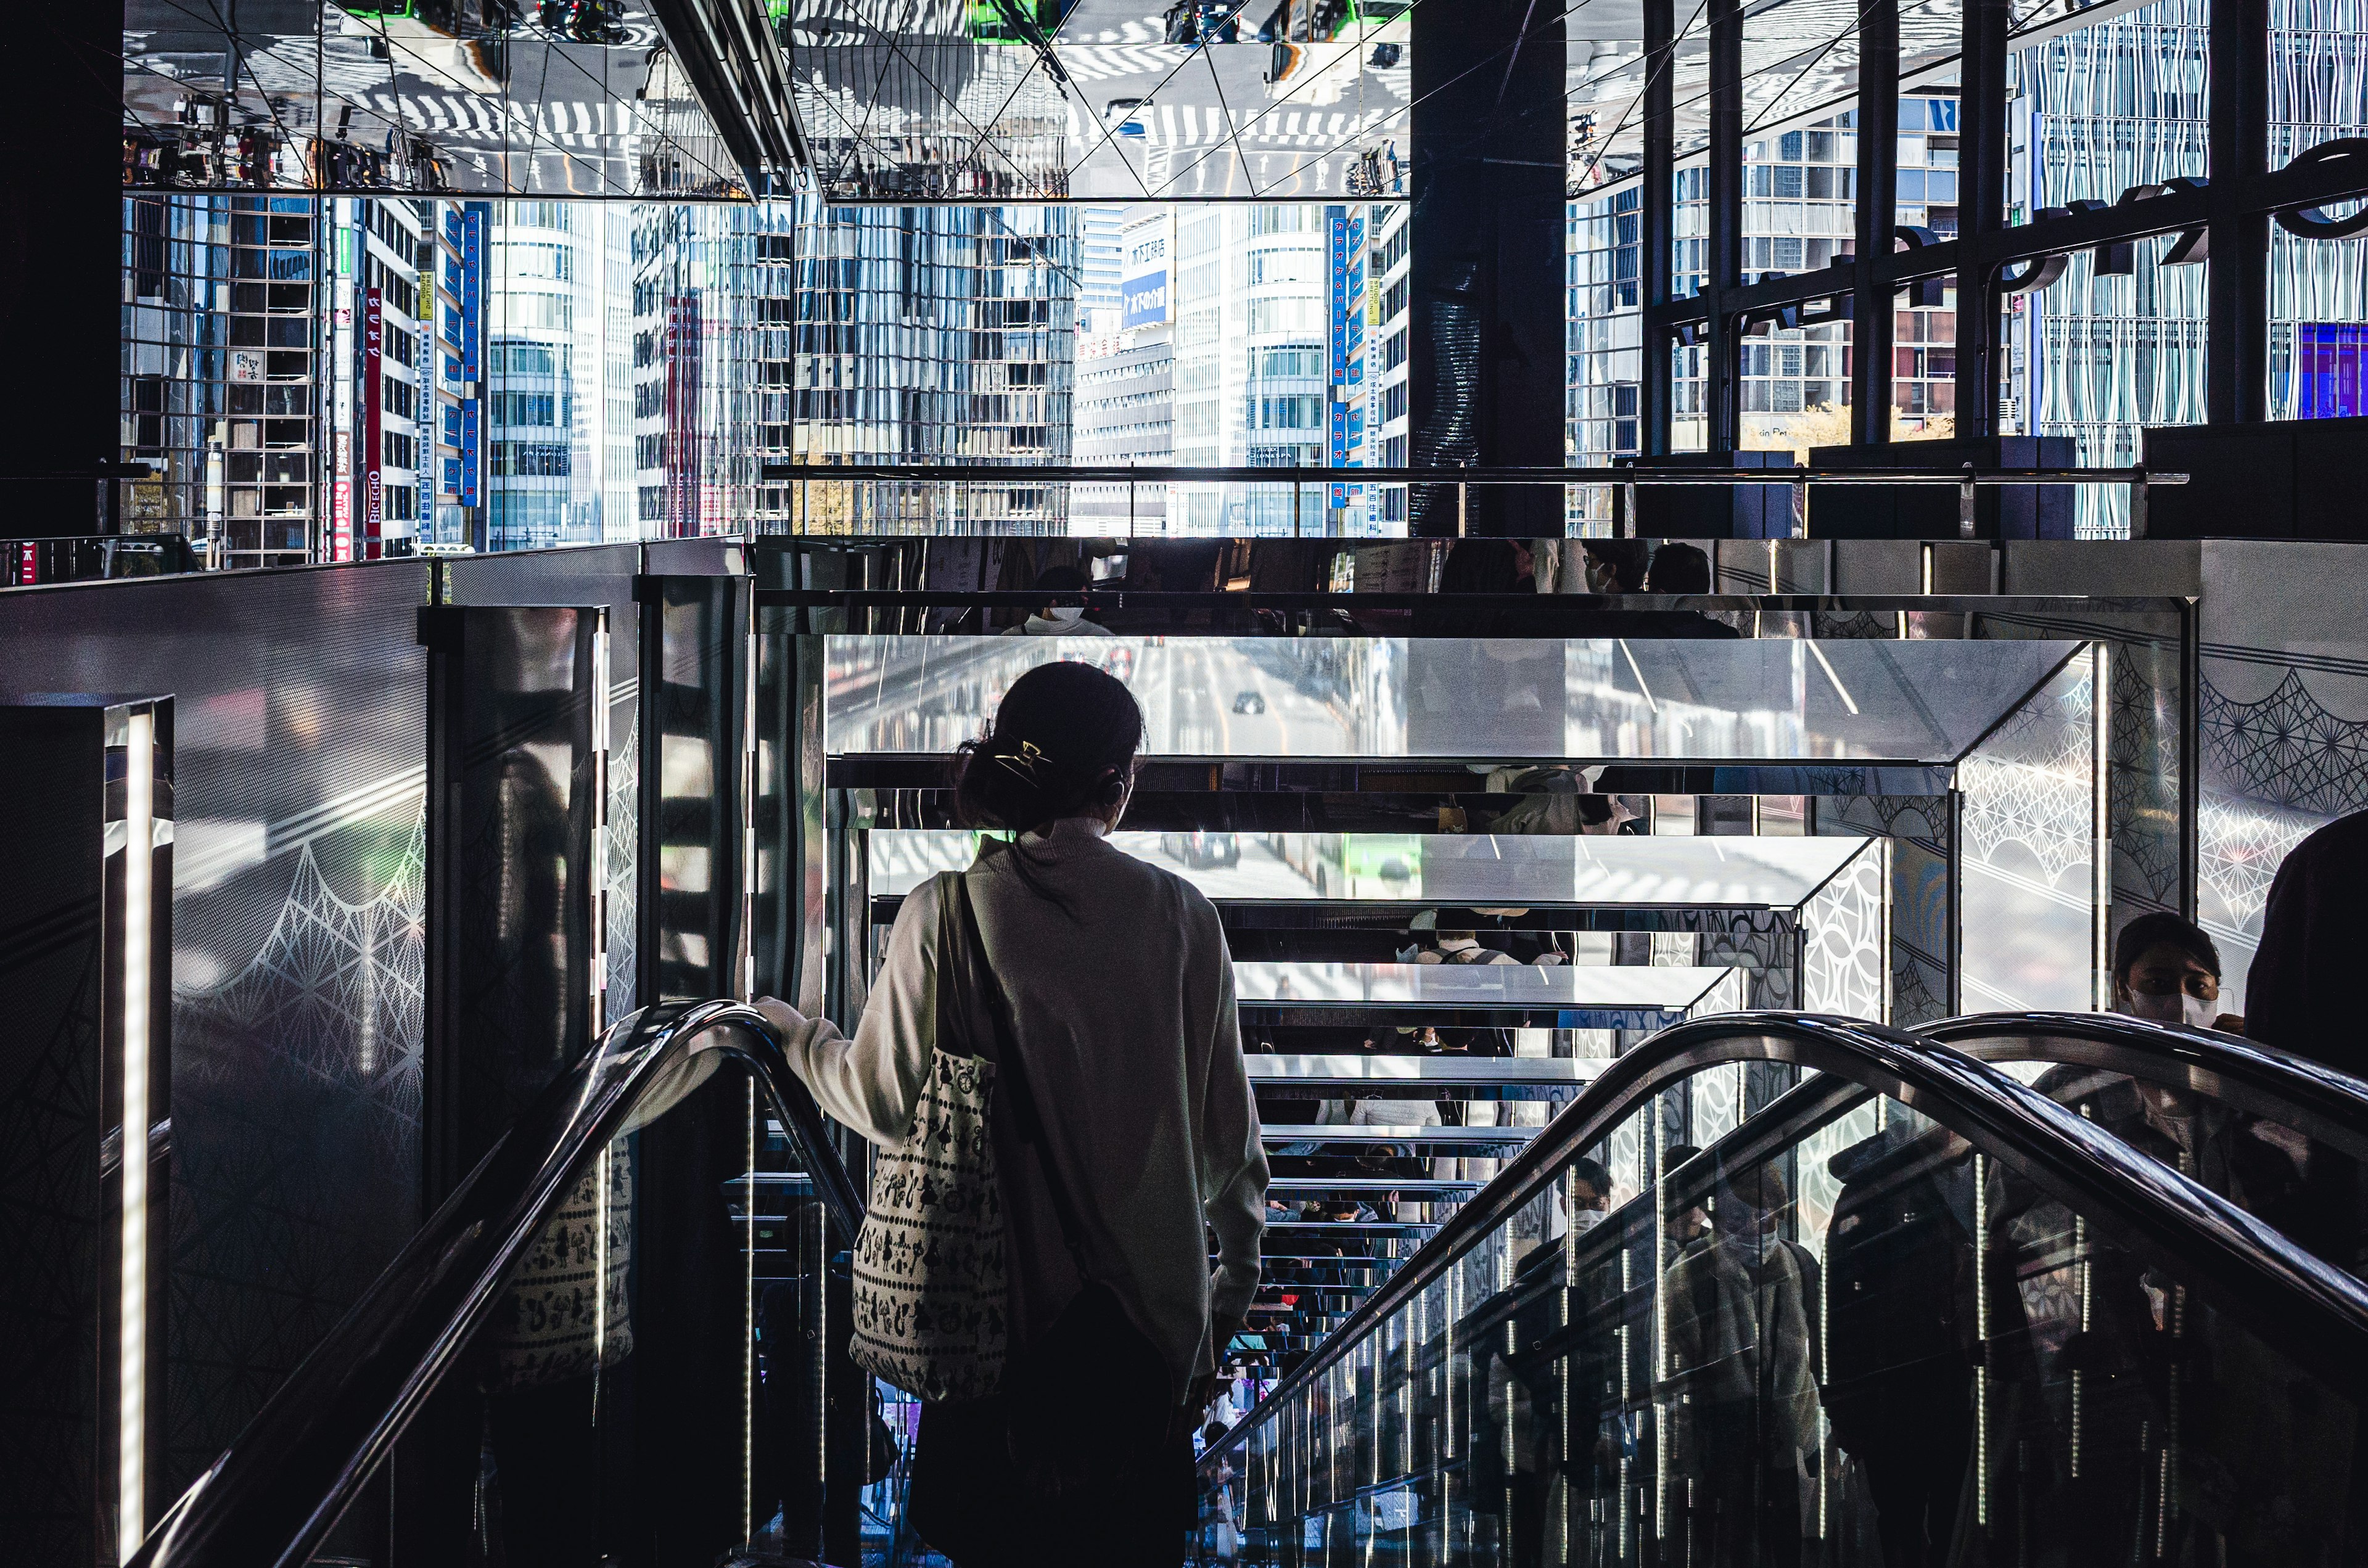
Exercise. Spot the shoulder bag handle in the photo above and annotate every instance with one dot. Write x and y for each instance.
(1010, 1069)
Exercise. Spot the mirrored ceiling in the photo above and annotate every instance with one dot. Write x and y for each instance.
(1464, 870)
(1124, 100)
(1004, 100)
(583, 99)
(1742, 700)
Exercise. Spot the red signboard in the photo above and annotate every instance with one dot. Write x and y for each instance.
(374, 445)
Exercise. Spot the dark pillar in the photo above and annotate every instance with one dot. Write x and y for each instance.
(1872, 307)
(60, 259)
(1489, 146)
(1656, 206)
(2237, 351)
(1723, 369)
(1981, 208)
(85, 954)
(514, 843)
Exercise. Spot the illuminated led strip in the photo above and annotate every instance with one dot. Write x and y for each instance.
(131, 1360)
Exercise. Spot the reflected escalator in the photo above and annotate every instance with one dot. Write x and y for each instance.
(610, 1345)
(2284, 1139)
(1904, 1310)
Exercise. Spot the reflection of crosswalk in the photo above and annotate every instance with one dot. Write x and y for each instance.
(1195, 125)
(570, 123)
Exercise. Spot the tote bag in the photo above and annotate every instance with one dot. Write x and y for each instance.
(930, 1270)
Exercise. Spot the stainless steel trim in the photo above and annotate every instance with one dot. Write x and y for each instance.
(275, 1493)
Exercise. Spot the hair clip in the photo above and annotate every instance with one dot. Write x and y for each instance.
(1023, 762)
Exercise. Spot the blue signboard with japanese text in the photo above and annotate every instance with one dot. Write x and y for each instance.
(1143, 299)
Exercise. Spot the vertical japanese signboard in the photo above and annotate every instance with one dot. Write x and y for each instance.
(373, 396)
(473, 340)
(1347, 334)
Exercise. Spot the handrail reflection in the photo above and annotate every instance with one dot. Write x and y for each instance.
(2322, 1309)
(280, 1486)
(2312, 1098)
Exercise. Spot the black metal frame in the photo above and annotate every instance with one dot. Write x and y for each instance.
(2225, 217)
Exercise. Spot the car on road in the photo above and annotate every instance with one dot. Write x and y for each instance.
(1201, 850)
(1249, 702)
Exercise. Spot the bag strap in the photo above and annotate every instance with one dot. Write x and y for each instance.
(1010, 1069)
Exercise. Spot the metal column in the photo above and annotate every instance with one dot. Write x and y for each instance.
(1981, 208)
(1656, 207)
(2236, 353)
(1723, 373)
(1872, 316)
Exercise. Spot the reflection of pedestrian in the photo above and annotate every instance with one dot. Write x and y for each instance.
(1901, 1335)
(1741, 1366)
(1060, 620)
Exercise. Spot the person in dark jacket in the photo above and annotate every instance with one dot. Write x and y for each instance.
(2298, 994)
(2299, 998)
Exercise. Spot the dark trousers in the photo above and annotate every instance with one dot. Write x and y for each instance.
(547, 1470)
(967, 1501)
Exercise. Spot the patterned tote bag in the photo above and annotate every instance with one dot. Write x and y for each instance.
(930, 1280)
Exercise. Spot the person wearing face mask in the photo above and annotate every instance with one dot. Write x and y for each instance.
(1741, 1370)
(1060, 620)
(2166, 970)
(1590, 1194)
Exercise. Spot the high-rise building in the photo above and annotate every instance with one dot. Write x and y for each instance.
(1388, 236)
(894, 335)
(457, 231)
(556, 361)
(222, 318)
(1253, 359)
(375, 466)
(1800, 204)
(1126, 375)
(1101, 264)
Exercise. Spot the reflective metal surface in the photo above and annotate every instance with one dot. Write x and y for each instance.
(1669, 990)
(276, 1491)
(1740, 700)
(583, 99)
(1470, 1139)
(2312, 1098)
(1625, 870)
(2311, 1311)
(1425, 1073)
(1112, 99)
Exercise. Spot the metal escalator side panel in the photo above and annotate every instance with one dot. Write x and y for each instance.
(1907, 1266)
(448, 1306)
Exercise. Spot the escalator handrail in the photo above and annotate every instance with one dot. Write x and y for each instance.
(2315, 1099)
(271, 1497)
(2322, 1311)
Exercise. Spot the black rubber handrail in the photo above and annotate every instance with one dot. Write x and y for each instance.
(279, 1488)
(2316, 1100)
(2311, 1311)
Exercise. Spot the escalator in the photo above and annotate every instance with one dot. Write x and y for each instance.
(1905, 1310)
(611, 1343)
(2284, 1139)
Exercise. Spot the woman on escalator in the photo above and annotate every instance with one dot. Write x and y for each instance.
(1123, 1131)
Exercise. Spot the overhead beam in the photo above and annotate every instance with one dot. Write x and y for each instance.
(726, 49)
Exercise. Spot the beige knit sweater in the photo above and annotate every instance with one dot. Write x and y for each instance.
(1124, 1012)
